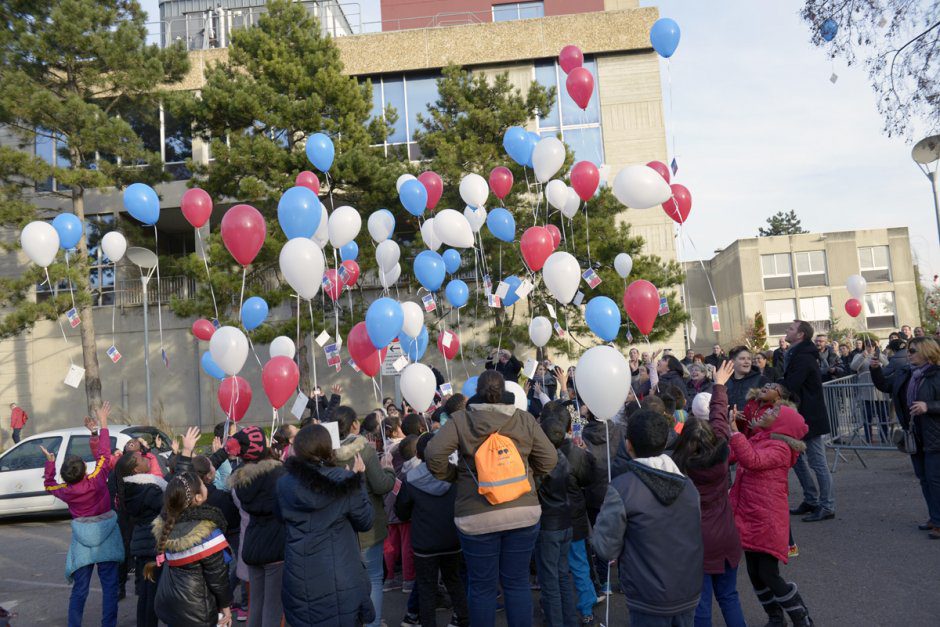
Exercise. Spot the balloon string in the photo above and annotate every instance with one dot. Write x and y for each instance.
(313, 359)
(607, 601)
(574, 242)
(252, 345)
(205, 261)
(241, 297)
(68, 274)
(113, 316)
(460, 347)
(704, 271)
(336, 275)
(156, 247)
(273, 424)
(59, 320)
(587, 237)
(672, 117)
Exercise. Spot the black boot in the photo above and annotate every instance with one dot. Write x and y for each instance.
(793, 604)
(773, 609)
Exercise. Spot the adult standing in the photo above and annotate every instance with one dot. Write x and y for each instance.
(770, 372)
(780, 352)
(802, 376)
(916, 393)
(830, 366)
(717, 357)
(745, 377)
(876, 409)
(698, 383)
(18, 419)
(688, 359)
(505, 363)
(497, 539)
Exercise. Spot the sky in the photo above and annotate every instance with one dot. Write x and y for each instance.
(759, 128)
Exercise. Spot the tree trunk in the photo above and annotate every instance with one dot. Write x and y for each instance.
(86, 311)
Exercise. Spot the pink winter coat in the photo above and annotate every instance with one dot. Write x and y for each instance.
(759, 494)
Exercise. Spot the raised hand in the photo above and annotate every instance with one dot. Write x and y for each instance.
(216, 444)
(189, 441)
(336, 388)
(102, 413)
(90, 424)
(175, 446)
(49, 456)
(723, 374)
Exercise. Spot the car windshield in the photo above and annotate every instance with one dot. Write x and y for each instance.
(28, 455)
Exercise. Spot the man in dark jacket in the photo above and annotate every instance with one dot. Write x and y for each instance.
(320, 409)
(505, 363)
(651, 523)
(802, 377)
(717, 357)
(745, 378)
(830, 366)
(779, 354)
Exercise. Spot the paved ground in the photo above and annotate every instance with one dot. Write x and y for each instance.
(870, 566)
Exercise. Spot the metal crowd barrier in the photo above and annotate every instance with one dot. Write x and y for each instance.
(861, 418)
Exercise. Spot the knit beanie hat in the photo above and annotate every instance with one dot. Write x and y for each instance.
(249, 444)
(700, 405)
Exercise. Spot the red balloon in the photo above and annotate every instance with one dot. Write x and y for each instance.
(536, 244)
(336, 284)
(584, 179)
(500, 181)
(580, 85)
(853, 307)
(234, 397)
(196, 206)
(641, 301)
(352, 272)
(243, 232)
(309, 180)
(449, 352)
(203, 329)
(280, 377)
(363, 353)
(556, 234)
(660, 167)
(435, 186)
(570, 58)
(679, 206)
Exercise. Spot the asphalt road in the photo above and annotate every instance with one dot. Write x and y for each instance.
(869, 566)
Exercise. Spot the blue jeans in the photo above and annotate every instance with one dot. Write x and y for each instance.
(551, 558)
(374, 558)
(927, 469)
(725, 588)
(499, 559)
(812, 469)
(581, 573)
(642, 619)
(108, 576)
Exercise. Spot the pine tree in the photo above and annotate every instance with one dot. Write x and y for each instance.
(782, 223)
(69, 66)
(758, 334)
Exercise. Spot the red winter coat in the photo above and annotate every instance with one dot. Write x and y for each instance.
(759, 494)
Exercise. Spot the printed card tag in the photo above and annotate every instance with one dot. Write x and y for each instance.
(558, 329)
(494, 301)
(487, 283)
(429, 303)
(591, 277)
(524, 289)
(114, 354)
(447, 389)
(578, 299)
(72, 315)
(716, 324)
(528, 369)
(551, 310)
(447, 339)
(343, 274)
(663, 306)
(400, 363)
(331, 349)
(327, 284)
(216, 323)
(300, 404)
(323, 338)
(333, 428)
(74, 376)
(354, 366)
(397, 487)
(502, 289)
(630, 335)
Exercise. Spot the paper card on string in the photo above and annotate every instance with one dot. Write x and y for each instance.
(327, 284)
(400, 363)
(674, 166)
(352, 363)
(343, 274)
(216, 323)
(332, 354)
(300, 404)
(551, 310)
(333, 428)
(558, 329)
(494, 301)
(74, 376)
(528, 369)
(630, 335)
(502, 288)
(429, 303)
(833, 78)
(397, 487)
(663, 306)
(487, 283)
(578, 299)
(114, 354)
(323, 338)
(591, 277)
(72, 315)
(447, 389)
(165, 358)
(524, 289)
(447, 339)
(716, 324)
(693, 332)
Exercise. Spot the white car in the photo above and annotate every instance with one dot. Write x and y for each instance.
(21, 467)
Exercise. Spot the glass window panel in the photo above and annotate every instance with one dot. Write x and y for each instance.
(779, 311)
(395, 97)
(802, 263)
(545, 75)
(376, 98)
(879, 304)
(880, 256)
(422, 91)
(44, 150)
(767, 265)
(815, 309)
(531, 9)
(864, 258)
(178, 138)
(29, 455)
(505, 12)
(571, 113)
(61, 157)
(586, 144)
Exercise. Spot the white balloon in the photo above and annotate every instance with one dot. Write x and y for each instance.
(520, 399)
(547, 158)
(322, 236)
(282, 346)
(414, 318)
(381, 225)
(641, 187)
(857, 285)
(475, 217)
(402, 179)
(301, 264)
(345, 224)
(229, 349)
(474, 190)
(540, 331)
(389, 278)
(623, 264)
(556, 193)
(562, 275)
(603, 381)
(430, 237)
(387, 255)
(40, 242)
(418, 385)
(453, 229)
(572, 203)
(114, 246)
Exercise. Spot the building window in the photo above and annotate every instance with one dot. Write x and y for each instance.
(811, 268)
(50, 149)
(779, 315)
(879, 310)
(410, 96)
(100, 268)
(518, 11)
(875, 263)
(177, 143)
(579, 129)
(817, 311)
(776, 271)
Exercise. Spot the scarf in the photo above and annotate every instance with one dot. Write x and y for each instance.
(913, 386)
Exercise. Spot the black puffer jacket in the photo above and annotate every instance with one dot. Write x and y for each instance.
(325, 582)
(580, 475)
(553, 497)
(594, 435)
(926, 426)
(143, 500)
(255, 485)
(192, 594)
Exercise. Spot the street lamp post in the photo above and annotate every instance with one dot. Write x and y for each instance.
(145, 259)
(926, 154)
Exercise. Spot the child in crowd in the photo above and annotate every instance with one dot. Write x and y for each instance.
(96, 538)
(282, 439)
(398, 541)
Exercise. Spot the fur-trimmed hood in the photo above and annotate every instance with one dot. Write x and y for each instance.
(351, 446)
(193, 527)
(247, 473)
(319, 479)
(146, 479)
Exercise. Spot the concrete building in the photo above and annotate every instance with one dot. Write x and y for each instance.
(623, 125)
(803, 276)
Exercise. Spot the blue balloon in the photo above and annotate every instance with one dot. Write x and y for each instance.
(603, 317)
(829, 29)
(349, 252)
(414, 347)
(531, 140)
(254, 312)
(501, 224)
(142, 202)
(383, 321)
(69, 228)
(457, 293)
(665, 37)
(451, 260)
(511, 296)
(413, 196)
(320, 151)
(430, 270)
(210, 367)
(516, 145)
(469, 387)
(298, 212)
